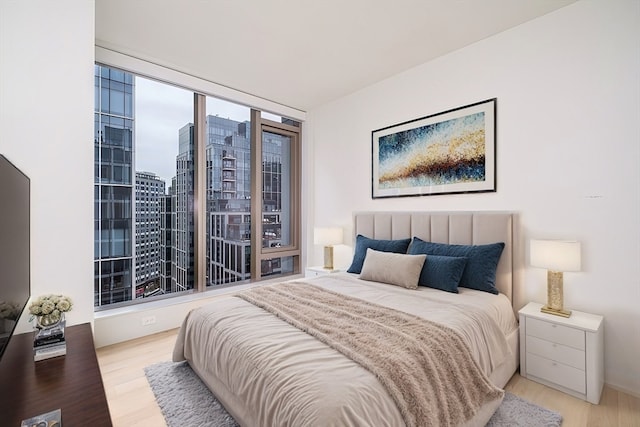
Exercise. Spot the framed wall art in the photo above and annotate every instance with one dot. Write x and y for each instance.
(444, 153)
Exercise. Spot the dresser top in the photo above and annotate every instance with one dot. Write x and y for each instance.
(578, 319)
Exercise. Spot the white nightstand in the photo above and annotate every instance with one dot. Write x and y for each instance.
(318, 271)
(564, 353)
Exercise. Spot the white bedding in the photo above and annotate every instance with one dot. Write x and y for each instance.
(483, 319)
(267, 372)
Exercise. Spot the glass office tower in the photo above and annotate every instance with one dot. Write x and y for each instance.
(144, 231)
(183, 202)
(228, 153)
(113, 186)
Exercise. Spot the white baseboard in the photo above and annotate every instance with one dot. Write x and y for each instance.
(633, 393)
(139, 320)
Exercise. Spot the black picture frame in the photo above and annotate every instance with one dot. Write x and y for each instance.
(450, 152)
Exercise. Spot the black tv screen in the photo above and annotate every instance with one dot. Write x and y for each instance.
(15, 278)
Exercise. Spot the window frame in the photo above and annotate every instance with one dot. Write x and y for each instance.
(259, 125)
(160, 74)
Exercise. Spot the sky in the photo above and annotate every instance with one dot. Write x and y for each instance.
(160, 111)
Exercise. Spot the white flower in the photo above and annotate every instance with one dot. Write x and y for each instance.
(63, 305)
(47, 307)
(35, 309)
(52, 305)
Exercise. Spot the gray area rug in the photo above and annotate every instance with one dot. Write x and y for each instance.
(185, 401)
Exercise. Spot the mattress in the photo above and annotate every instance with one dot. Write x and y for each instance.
(266, 372)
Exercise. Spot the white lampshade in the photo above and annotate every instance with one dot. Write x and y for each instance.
(327, 236)
(555, 255)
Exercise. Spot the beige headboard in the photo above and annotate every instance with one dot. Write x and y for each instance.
(461, 228)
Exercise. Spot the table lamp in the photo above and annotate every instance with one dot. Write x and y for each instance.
(327, 236)
(557, 256)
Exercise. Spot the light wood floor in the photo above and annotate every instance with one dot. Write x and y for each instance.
(132, 403)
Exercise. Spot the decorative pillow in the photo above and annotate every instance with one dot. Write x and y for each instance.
(480, 270)
(442, 272)
(392, 268)
(363, 243)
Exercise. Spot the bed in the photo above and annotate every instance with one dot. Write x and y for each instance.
(267, 371)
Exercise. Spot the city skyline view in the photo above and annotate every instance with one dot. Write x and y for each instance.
(144, 191)
(161, 110)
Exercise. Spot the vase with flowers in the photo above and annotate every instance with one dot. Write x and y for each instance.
(49, 310)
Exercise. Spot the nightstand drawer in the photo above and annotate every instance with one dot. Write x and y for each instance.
(563, 375)
(557, 352)
(556, 333)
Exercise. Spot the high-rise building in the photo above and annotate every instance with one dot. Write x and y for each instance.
(150, 195)
(113, 186)
(229, 201)
(167, 226)
(182, 203)
(228, 153)
(144, 235)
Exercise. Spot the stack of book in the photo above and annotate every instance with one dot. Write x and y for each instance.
(49, 343)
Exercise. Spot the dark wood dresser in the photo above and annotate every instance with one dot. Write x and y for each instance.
(71, 383)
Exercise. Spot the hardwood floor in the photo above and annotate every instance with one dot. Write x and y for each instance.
(615, 408)
(132, 403)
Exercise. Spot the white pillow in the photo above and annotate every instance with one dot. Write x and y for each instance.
(392, 268)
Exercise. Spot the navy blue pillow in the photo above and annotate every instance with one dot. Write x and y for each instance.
(363, 243)
(441, 272)
(480, 271)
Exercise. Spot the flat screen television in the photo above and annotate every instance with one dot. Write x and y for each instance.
(15, 277)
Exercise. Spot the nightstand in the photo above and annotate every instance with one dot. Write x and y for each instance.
(318, 271)
(564, 353)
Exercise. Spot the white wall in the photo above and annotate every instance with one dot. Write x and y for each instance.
(568, 152)
(46, 116)
(47, 55)
(568, 147)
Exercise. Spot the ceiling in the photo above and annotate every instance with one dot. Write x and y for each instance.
(302, 53)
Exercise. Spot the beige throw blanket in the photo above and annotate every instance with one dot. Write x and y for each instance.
(426, 367)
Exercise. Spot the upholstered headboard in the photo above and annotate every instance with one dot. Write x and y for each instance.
(462, 228)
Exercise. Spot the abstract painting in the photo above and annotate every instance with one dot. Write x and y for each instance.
(444, 153)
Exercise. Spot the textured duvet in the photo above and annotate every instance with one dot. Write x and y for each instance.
(269, 373)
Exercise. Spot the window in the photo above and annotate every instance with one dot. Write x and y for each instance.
(162, 155)
(279, 148)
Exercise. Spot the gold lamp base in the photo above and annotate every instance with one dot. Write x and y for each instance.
(328, 257)
(555, 295)
(549, 310)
